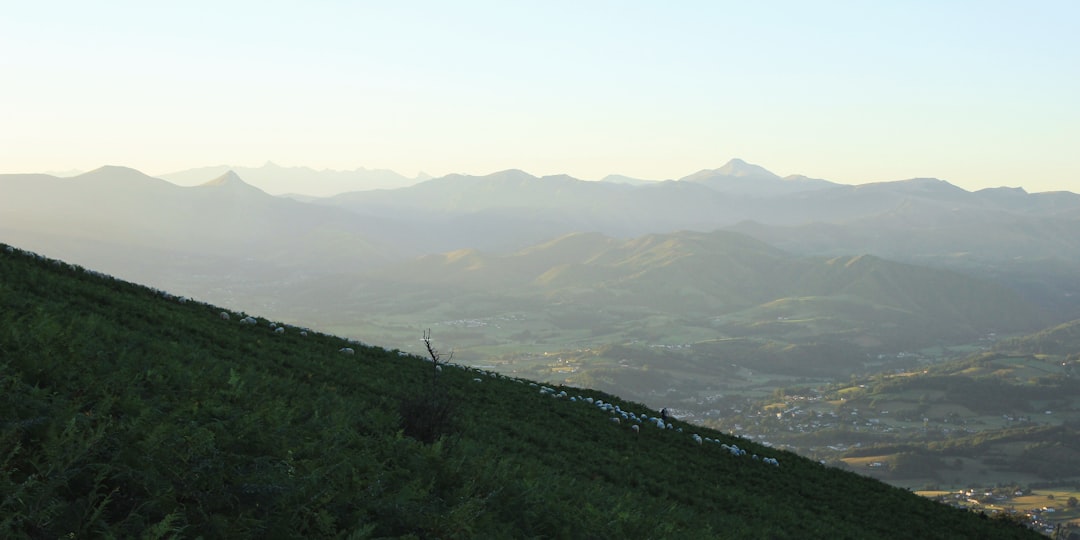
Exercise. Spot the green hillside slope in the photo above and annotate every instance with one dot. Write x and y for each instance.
(126, 412)
(1061, 340)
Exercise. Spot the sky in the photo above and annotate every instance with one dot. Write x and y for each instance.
(978, 93)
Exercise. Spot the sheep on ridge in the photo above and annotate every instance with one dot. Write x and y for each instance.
(346, 350)
(224, 315)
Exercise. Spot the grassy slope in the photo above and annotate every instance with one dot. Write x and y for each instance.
(126, 413)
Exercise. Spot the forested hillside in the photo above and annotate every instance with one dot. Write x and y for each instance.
(128, 412)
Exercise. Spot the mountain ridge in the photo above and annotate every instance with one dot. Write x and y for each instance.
(278, 180)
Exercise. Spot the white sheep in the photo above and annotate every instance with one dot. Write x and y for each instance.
(615, 420)
(224, 316)
(248, 320)
(303, 333)
(346, 350)
(279, 330)
(696, 437)
(636, 428)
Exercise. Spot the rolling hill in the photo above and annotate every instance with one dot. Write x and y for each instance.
(129, 412)
(1005, 415)
(723, 281)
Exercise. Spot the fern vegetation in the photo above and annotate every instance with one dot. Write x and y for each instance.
(127, 413)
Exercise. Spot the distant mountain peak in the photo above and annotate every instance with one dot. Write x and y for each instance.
(113, 174)
(512, 174)
(739, 168)
(622, 179)
(230, 178)
(805, 179)
(1005, 189)
(736, 168)
(918, 185)
(230, 181)
(740, 177)
(112, 170)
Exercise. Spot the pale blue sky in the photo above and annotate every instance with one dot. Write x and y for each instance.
(980, 94)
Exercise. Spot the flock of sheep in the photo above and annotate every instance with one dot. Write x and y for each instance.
(251, 321)
(618, 416)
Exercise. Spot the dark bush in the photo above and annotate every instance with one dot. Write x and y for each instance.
(426, 416)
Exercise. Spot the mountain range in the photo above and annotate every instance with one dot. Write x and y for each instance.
(299, 182)
(224, 231)
(226, 236)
